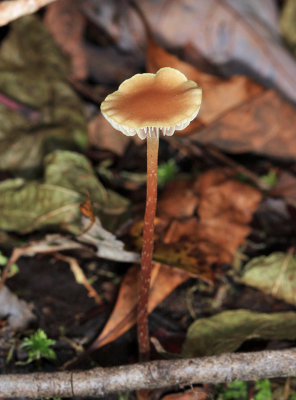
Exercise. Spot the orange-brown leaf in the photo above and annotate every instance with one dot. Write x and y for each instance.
(219, 95)
(66, 24)
(163, 281)
(87, 209)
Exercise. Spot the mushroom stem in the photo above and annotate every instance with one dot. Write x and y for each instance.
(148, 244)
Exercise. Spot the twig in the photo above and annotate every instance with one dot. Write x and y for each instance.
(11, 10)
(80, 276)
(156, 374)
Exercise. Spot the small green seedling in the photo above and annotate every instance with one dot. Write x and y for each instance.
(167, 172)
(270, 179)
(235, 390)
(263, 389)
(38, 346)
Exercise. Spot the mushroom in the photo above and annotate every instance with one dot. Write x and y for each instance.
(145, 105)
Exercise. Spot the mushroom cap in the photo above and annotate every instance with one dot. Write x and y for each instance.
(148, 103)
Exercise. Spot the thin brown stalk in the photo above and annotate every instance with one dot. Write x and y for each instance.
(147, 250)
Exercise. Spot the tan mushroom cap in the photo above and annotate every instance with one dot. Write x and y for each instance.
(147, 103)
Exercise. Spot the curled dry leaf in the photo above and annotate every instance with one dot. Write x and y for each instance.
(255, 126)
(224, 206)
(237, 114)
(163, 281)
(235, 35)
(219, 95)
(66, 24)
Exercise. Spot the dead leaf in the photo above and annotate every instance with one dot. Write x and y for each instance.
(225, 332)
(225, 207)
(274, 274)
(17, 312)
(194, 393)
(181, 205)
(163, 281)
(265, 125)
(219, 95)
(66, 24)
(87, 209)
(24, 143)
(237, 113)
(103, 136)
(234, 35)
(68, 178)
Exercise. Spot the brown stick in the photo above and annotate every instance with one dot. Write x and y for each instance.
(148, 242)
(151, 375)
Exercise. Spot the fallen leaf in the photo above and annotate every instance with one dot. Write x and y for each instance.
(177, 200)
(219, 95)
(66, 24)
(234, 35)
(87, 209)
(227, 331)
(163, 281)
(224, 207)
(18, 313)
(102, 135)
(54, 202)
(194, 393)
(255, 126)
(39, 80)
(274, 274)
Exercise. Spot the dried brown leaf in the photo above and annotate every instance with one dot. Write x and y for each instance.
(163, 281)
(181, 205)
(225, 207)
(102, 135)
(264, 124)
(66, 24)
(194, 393)
(219, 95)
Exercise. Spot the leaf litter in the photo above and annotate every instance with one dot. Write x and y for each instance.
(208, 218)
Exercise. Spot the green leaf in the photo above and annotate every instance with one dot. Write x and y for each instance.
(38, 346)
(236, 390)
(264, 389)
(38, 79)
(274, 274)
(54, 202)
(226, 332)
(270, 179)
(167, 172)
